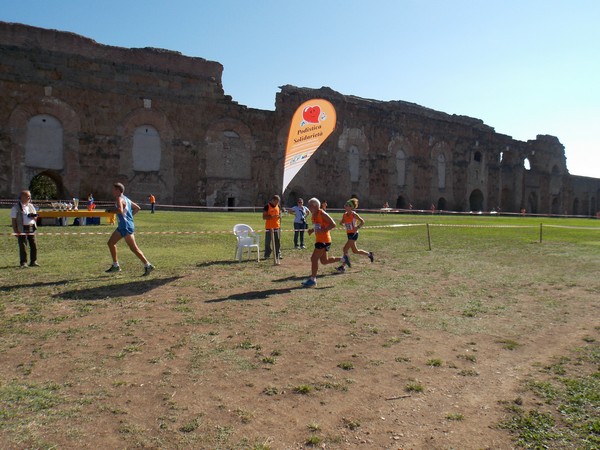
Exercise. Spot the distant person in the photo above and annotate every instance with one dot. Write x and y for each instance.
(352, 222)
(324, 205)
(125, 209)
(90, 203)
(272, 216)
(152, 203)
(23, 215)
(300, 213)
(322, 225)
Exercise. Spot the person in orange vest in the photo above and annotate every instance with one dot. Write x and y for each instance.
(152, 203)
(322, 225)
(272, 216)
(352, 222)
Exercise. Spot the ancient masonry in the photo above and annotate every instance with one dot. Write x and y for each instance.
(86, 114)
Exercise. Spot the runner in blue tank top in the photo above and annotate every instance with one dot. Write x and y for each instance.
(125, 210)
(125, 218)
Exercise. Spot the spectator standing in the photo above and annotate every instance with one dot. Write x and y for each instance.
(152, 203)
(23, 215)
(272, 216)
(300, 212)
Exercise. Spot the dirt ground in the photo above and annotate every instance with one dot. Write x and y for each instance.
(206, 360)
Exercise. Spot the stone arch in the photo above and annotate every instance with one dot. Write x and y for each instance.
(441, 171)
(47, 185)
(145, 177)
(401, 167)
(576, 206)
(146, 149)
(507, 202)
(532, 203)
(476, 200)
(555, 207)
(354, 163)
(67, 170)
(401, 149)
(44, 143)
(228, 163)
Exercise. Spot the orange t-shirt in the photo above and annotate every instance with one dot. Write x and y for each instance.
(320, 223)
(272, 223)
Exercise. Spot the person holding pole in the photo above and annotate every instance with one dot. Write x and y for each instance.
(322, 225)
(272, 216)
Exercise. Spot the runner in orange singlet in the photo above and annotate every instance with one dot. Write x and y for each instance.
(352, 222)
(322, 225)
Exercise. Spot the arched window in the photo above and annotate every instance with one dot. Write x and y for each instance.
(526, 164)
(354, 160)
(401, 167)
(146, 149)
(441, 165)
(44, 143)
(477, 156)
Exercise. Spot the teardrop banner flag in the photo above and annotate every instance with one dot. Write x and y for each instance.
(313, 122)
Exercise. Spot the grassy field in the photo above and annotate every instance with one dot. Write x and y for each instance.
(490, 326)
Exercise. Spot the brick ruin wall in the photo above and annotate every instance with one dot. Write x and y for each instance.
(215, 152)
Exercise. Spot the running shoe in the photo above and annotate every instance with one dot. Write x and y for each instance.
(341, 269)
(113, 269)
(147, 269)
(309, 283)
(371, 256)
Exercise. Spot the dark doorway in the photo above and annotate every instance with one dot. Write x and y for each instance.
(401, 202)
(441, 204)
(476, 201)
(555, 206)
(230, 202)
(44, 187)
(532, 203)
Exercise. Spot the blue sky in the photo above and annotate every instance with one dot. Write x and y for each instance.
(525, 67)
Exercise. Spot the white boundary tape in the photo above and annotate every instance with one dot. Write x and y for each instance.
(396, 225)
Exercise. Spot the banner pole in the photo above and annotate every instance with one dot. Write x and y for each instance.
(428, 237)
(275, 255)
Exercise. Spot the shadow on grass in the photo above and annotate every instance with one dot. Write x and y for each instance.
(253, 295)
(304, 277)
(219, 263)
(37, 284)
(262, 295)
(115, 290)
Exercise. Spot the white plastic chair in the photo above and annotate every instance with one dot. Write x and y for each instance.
(246, 239)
